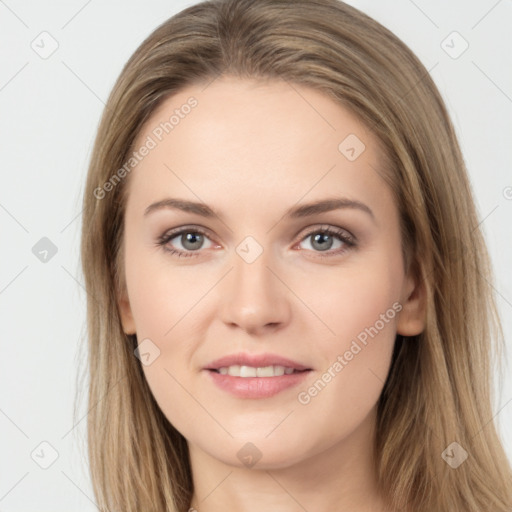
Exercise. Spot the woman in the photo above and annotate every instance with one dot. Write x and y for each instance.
(287, 287)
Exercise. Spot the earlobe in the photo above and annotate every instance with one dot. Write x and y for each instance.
(412, 318)
(125, 313)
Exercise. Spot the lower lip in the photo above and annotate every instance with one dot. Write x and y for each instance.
(256, 387)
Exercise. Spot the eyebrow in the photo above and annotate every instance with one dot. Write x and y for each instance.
(296, 212)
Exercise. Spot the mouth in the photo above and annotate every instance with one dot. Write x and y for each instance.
(260, 371)
(255, 365)
(255, 376)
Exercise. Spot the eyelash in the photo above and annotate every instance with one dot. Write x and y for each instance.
(348, 240)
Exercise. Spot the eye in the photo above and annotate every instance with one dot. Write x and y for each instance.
(190, 239)
(323, 239)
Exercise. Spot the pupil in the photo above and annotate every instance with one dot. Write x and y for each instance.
(322, 236)
(193, 238)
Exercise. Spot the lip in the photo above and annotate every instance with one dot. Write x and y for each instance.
(255, 387)
(255, 360)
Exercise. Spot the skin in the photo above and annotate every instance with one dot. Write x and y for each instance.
(251, 150)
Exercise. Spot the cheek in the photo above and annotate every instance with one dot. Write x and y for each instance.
(166, 303)
(165, 307)
(361, 309)
(342, 393)
(355, 299)
(161, 295)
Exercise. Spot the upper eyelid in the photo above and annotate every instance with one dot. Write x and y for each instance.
(173, 233)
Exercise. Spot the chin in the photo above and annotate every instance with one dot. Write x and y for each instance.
(258, 452)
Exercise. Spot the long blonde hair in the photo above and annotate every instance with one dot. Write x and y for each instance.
(439, 386)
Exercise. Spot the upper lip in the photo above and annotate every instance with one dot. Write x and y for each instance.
(254, 360)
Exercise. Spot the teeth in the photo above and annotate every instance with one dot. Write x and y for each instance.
(278, 371)
(249, 371)
(234, 371)
(266, 371)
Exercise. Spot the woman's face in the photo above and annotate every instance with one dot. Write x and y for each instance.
(258, 229)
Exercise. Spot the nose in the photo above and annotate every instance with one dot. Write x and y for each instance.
(253, 298)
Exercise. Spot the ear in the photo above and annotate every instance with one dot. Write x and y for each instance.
(412, 318)
(121, 293)
(125, 312)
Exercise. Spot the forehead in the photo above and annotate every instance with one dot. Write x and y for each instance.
(261, 136)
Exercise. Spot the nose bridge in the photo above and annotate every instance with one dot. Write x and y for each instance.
(252, 277)
(253, 297)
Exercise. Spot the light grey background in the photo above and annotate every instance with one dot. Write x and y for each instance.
(50, 108)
